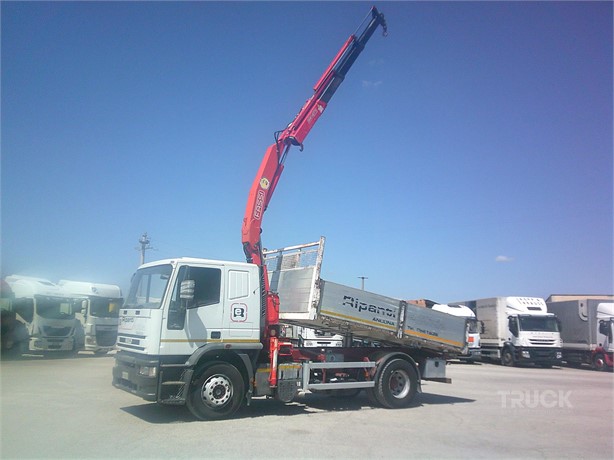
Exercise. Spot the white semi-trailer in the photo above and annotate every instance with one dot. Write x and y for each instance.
(518, 330)
(587, 326)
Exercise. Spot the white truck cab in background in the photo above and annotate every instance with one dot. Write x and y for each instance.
(99, 314)
(47, 312)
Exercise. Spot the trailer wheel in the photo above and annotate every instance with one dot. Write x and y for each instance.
(599, 362)
(217, 393)
(397, 384)
(507, 357)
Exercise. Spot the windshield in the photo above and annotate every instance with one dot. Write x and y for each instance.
(55, 307)
(148, 287)
(105, 308)
(538, 323)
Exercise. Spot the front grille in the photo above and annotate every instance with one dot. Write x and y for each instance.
(56, 331)
(106, 338)
(542, 342)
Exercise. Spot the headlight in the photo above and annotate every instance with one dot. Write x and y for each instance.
(148, 371)
(559, 355)
(526, 354)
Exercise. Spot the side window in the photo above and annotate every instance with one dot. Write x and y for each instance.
(206, 286)
(207, 283)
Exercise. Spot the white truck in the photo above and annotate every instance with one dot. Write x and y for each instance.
(47, 313)
(98, 316)
(308, 337)
(587, 326)
(518, 330)
(191, 332)
(207, 334)
(474, 327)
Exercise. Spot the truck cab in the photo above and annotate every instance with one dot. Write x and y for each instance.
(98, 315)
(47, 313)
(603, 355)
(534, 334)
(179, 311)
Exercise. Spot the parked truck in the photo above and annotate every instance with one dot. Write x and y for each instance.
(474, 327)
(518, 330)
(13, 333)
(98, 314)
(46, 312)
(206, 333)
(587, 326)
(308, 337)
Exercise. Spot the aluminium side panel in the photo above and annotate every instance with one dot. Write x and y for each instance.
(435, 329)
(359, 308)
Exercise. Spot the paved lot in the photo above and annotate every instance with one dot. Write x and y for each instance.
(67, 408)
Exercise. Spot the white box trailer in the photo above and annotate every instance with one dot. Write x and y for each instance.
(587, 326)
(518, 330)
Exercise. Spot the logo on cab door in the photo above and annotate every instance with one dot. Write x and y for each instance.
(238, 312)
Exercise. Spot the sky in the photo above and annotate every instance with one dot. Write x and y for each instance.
(468, 154)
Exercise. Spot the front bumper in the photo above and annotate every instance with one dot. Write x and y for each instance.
(539, 355)
(129, 374)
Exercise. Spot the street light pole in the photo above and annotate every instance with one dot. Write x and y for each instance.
(362, 281)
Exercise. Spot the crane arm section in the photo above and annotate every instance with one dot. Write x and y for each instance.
(272, 164)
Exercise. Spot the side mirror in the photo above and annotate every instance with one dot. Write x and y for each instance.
(513, 326)
(482, 329)
(186, 291)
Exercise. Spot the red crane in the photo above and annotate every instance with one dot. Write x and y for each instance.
(272, 164)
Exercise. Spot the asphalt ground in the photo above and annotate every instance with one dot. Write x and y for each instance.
(67, 408)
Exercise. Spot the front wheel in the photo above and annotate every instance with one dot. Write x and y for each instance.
(397, 384)
(599, 362)
(507, 357)
(217, 393)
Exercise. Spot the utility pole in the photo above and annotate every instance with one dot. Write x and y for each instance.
(362, 281)
(144, 242)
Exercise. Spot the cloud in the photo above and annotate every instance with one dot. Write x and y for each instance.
(371, 84)
(503, 259)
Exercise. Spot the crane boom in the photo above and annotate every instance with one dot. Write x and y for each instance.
(272, 163)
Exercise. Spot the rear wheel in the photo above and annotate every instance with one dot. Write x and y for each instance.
(217, 393)
(397, 384)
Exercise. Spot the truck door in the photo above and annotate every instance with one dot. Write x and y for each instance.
(191, 323)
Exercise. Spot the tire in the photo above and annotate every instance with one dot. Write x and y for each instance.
(599, 362)
(507, 357)
(372, 398)
(217, 393)
(397, 384)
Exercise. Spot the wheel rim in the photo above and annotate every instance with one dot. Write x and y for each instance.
(216, 391)
(400, 385)
(599, 362)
